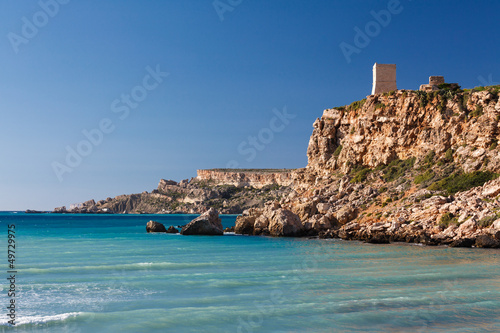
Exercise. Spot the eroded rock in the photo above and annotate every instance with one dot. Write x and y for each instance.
(208, 223)
(153, 226)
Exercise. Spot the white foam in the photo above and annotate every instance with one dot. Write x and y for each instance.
(21, 320)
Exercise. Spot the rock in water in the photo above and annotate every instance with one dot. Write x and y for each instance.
(272, 220)
(172, 230)
(154, 226)
(229, 229)
(244, 225)
(209, 223)
(487, 241)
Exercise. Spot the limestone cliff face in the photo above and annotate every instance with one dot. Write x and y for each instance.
(408, 124)
(403, 166)
(253, 178)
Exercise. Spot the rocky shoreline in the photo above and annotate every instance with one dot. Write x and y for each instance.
(403, 166)
(193, 196)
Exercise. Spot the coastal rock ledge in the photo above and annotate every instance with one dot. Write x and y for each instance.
(208, 223)
(272, 220)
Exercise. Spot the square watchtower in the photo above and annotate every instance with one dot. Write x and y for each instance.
(384, 78)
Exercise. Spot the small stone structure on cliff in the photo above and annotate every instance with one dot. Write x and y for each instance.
(435, 82)
(384, 78)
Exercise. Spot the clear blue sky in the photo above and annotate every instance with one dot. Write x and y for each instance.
(228, 69)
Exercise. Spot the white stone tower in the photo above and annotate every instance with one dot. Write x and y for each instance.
(384, 78)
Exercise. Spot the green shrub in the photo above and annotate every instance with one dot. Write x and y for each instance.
(494, 145)
(477, 112)
(174, 194)
(379, 106)
(397, 168)
(424, 98)
(495, 90)
(423, 197)
(429, 159)
(387, 201)
(361, 175)
(487, 221)
(444, 86)
(356, 105)
(465, 98)
(448, 156)
(447, 219)
(424, 177)
(337, 151)
(462, 182)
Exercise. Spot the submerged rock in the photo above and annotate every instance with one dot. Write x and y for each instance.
(172, 230)
(209, 223)
(229, 229)
(154, 226)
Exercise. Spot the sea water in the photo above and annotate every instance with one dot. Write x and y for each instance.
(104, 273)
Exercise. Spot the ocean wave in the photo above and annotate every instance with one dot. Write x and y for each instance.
(36, 320)
(122, 267)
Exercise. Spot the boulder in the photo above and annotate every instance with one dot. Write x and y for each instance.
(153, 226)
(60, 209)
(323, 208)
(345, 214)
(491, 189)
(327, 234)
(487, 241)
(496, 225)
(284, 223)
(229, 229)
(208, 223)
(89, 203)
(244, 225)
(172, 230)
(321, 222)
(261, 225)
(378, 238)
(306, 210)
(462, 242)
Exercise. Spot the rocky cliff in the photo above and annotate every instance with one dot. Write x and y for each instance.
(257, 178)
(406, 124)
(401, 166)
(187, 196)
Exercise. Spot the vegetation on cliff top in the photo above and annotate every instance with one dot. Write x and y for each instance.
(446, 92)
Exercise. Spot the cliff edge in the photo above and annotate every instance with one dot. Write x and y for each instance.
(410, 166)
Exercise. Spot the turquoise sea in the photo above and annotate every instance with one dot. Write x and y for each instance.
(104, 273)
